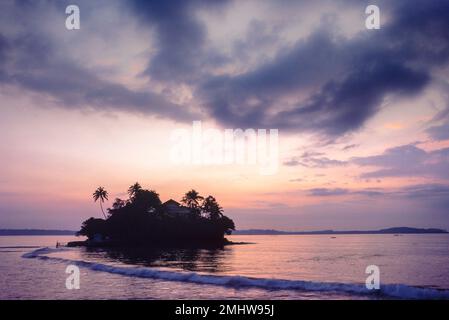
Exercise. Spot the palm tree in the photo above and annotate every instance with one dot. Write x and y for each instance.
(134, 190)
(212, 208)
(192, 199)
(100, 194)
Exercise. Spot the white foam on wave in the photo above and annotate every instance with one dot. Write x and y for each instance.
(388, 290)
(39, 253)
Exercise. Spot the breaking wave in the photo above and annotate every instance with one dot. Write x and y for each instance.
(400, 291)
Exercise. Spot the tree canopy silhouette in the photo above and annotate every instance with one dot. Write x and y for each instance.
(134, 190)
(211, 207)
(143, 219)
(192, 200)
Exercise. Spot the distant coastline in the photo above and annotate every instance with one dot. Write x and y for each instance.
(396, 230)
(36, 232)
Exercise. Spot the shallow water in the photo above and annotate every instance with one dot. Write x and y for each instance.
(270, 267)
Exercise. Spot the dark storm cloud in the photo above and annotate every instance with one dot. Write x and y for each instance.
(261, 37)
(30, 60)
(421, 31)
(324, 84)
(34, 68)
(353, 75)
(180, 36)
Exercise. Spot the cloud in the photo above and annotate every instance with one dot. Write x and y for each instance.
(440, 132)
(180, 36)
(322, 162)
(407, 161)
(32, 61)
(314, 160)
(429, 191)
(425, 191)
(325, 192)
(292, 163)
(420, 202)
(323, 82)
(331, 85)
(349, 147)
(439, 129)
(401, 161)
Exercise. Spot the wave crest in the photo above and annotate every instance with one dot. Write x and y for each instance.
(388, 290)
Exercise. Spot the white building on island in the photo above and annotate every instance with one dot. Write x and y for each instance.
(174, 208)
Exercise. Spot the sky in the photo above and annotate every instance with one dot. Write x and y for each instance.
(362, 115)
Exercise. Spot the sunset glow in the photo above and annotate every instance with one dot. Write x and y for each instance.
(97, 106)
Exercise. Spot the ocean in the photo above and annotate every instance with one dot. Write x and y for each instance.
(265, 267)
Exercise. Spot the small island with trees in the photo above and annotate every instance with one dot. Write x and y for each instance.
(143, 220)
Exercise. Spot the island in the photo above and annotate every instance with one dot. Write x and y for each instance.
(143, 220)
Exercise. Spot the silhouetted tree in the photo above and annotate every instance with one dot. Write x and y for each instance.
(211, 208)
(100, 194)
(118, 204)
(147, 200)
(92, 227)
(192, 200)
(134, 189)
(143, 221)
(227, 224)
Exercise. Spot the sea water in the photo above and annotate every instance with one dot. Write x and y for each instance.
(265, 267)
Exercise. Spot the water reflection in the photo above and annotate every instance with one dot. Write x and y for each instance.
(212, 260)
